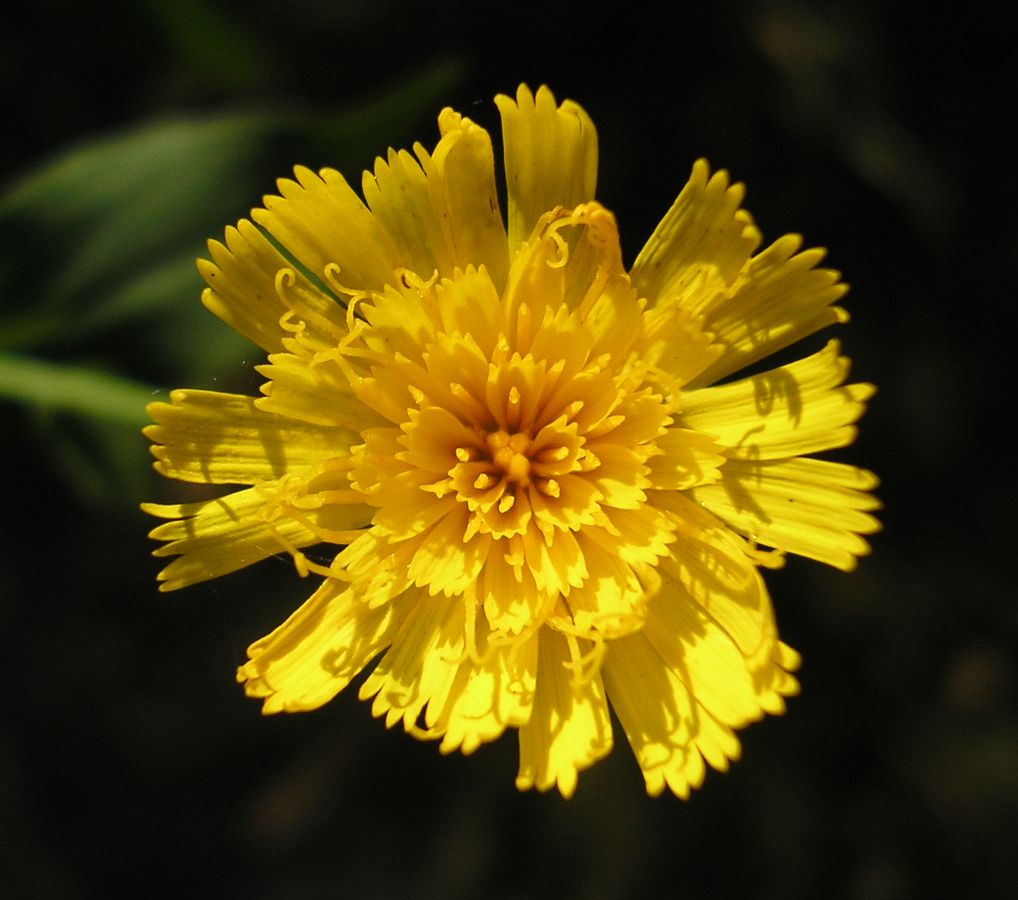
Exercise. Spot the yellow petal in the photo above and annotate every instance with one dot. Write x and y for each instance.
(812, 507)
(585, 246)
(688, 458)
(621, 477)
(779, 298)
(510, 600)
(217, 438)
(634, 536)
(550, 157)
(661, 718)
(465, 159)
(442, 212)
(489, 695)
(676, 341)
(788, 411)
(611, 598)
(733, 688)
(469, 303)
(445, 560)
(407, 509)
(215, 537)
(614, 320)
(554, 566)
(316, 394)
(568, 278)
(710, 564)
(708, 660)
(420, 667)
(569, 727)
(315, 653)
(397, 192)
(699, 246)
(401, 318)
(645, 415)
(377, 568)
(321, 221)
(314, 322)
(241, 278)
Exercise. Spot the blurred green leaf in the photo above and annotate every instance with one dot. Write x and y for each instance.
(109, 230)
(85, 422)
(88, 392)
(101, 213)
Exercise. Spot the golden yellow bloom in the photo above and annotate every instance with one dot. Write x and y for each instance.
(543, 504)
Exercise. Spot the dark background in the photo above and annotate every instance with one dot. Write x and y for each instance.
(130, 761)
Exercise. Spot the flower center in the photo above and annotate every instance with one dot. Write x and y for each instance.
(509, 453)
(501, 475)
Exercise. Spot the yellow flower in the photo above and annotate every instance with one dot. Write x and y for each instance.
(543, 504)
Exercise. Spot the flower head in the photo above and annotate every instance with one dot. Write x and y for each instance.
(543, 505)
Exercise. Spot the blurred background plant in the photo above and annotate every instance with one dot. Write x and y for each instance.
(128, 758)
